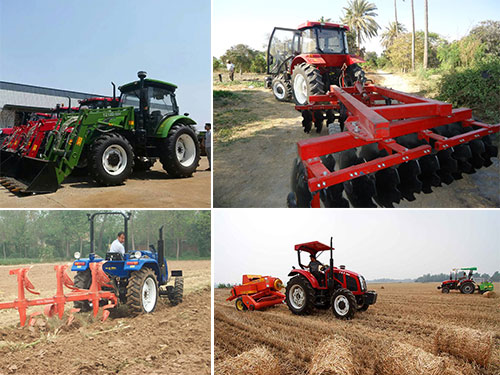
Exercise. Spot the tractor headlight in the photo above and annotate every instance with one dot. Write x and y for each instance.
(77, 255)
(138, 254)
(362, 283)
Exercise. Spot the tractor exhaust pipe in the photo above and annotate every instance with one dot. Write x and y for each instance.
(161, 252)
(143, 103)
(69, 104)
(330, 274)
(114, 90)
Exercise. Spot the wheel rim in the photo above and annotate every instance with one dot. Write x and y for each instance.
(297, 297)
(279, 90)
(300, 89)
(185, 150)
(239, 305)
(341, 305)
(114, 160)
(149, 295)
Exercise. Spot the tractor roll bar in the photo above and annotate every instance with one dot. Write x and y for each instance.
(91, 217)
(161, 251)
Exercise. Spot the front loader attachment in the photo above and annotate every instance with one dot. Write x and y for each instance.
(28, 175)
(394, 146)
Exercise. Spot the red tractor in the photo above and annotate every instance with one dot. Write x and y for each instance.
(459, 281)
(342, 290)
(307, 60)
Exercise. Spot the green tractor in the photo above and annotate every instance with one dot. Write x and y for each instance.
(146, 126)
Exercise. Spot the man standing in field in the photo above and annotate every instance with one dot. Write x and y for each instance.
(208, 145)
(230, 69)
(117, 245)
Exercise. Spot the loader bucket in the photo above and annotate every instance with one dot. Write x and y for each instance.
(29, 175)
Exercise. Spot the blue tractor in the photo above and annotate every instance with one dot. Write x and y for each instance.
(137, 278)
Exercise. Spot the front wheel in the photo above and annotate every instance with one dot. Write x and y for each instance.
(240, 306)
(445, 290)
(282, 89)
(82, 280)
(180, 152)
(111, 159)
(343, 304)
(142, 291)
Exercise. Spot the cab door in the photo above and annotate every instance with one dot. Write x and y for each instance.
(283, 46)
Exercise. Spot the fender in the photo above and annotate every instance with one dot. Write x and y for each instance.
(164, 128)
(313, 59)
(83, 264)
(138, 264)
(354, 59)
(307, 275)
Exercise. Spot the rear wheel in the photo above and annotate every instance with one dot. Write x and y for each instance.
(306, 81)
(82, 280)
(343, 304)
(180, 153)
(111, 159)
(142, 291)
(299, 296)
(467, 288)
(282, 89)
(240, 306)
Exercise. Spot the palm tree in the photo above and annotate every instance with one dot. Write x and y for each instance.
(426, 35)
(412, 37)
(359, 16)
(396, 15)
(391, 32)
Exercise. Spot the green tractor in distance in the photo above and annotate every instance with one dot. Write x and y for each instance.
(107, 141)
(465, 283)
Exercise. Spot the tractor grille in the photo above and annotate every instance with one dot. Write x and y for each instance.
(351, 283)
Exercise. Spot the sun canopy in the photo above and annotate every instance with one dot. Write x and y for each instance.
(312, 247)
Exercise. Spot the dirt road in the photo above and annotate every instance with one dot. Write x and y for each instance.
(173, 340)
(255, 145)
(408, 313)
(144, 189)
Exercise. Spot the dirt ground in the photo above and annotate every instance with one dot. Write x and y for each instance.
(142, 190)
(173, 340)
(408, 313)
(255, 145)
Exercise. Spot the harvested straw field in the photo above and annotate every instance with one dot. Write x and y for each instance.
(406, 317)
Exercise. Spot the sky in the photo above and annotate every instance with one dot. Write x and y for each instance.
(84, 45)
(251, 22)
(393, 243)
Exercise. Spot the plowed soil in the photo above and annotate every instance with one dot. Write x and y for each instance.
(172, 340)
(407, 313)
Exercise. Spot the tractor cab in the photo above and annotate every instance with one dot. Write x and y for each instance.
(315, 39)
(153, 101)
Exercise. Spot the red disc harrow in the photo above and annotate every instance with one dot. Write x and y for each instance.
(56, 304)
(395, 145)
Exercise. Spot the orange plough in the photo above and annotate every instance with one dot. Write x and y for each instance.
(56, 304)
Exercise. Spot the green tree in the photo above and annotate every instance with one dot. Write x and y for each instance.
(217, 64)
(323, 19)
(391, 32)
(360, 16)
(259, 64)
(426, 35)
(488, 33)
(400, 51)
(241, 56)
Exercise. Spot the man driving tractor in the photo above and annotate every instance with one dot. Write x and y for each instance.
(314, 267)
(117, 245)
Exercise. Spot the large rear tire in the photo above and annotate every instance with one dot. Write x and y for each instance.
(467, 288)
(142, 291)
(111, 159)
(306, 81)
(180, 152)
(82, 280)
(300, 296)
(343, 304)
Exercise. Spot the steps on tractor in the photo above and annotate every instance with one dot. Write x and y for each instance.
(388, 152)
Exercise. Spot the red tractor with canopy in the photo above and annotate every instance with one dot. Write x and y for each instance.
(343, 290)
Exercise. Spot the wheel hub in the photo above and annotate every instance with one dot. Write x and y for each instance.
(341, 305)
(297, 296)
(185, 150)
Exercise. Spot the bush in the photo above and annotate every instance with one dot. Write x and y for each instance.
(476, 87)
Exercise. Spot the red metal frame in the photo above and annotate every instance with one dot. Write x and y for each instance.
(56, 304)
(258, 292)
(369, 122)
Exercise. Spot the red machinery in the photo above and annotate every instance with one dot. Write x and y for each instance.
(257, 292)
(407, 145)
(56, 304)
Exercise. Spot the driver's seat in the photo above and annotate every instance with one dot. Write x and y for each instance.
(114, 256)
